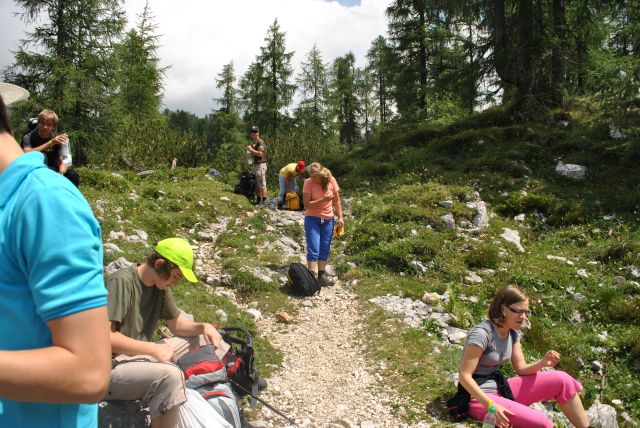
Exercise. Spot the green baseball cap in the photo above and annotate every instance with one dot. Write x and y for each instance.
(179, 252)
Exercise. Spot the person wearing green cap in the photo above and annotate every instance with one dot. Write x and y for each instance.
(138, 297)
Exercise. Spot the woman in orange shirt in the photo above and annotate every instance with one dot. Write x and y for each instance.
(321, 197)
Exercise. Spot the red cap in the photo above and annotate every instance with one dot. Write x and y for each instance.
(301, 166)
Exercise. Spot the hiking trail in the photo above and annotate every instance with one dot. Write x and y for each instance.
(325, 379)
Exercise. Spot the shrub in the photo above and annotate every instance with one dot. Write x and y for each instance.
(485, 256)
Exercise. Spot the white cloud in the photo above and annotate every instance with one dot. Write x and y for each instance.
(198, 37)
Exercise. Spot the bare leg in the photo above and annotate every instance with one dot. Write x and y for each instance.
(322, 265)
(574, 411)
(313, 267)
(168, 420)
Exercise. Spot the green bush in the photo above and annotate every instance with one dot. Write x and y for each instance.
(484, 256)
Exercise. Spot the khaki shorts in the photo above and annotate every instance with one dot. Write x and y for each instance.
(260, 171)
(141, 377)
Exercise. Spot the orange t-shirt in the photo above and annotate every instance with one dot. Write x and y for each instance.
(325, 209)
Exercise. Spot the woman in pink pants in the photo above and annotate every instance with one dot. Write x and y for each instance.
(492, 343)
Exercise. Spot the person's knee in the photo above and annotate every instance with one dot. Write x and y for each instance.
(171, 379)
(567, 386)
(167, 391)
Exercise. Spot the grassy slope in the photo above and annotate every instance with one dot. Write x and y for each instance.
(407, 171)
(181, 203)
(398, 180)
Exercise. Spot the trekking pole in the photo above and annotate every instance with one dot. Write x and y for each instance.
(243, 389)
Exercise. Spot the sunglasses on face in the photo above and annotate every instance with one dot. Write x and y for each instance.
(525, 312)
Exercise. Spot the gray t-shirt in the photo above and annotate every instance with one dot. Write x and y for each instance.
(497, 350)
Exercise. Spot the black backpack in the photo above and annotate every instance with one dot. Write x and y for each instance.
(302, 281)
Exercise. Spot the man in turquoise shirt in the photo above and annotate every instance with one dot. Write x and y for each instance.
(54, 332)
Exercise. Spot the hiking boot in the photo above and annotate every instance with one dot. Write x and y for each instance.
(325, 281)
(280, 205)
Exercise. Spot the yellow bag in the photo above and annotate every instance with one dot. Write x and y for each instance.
(292, 201)
(338, 231)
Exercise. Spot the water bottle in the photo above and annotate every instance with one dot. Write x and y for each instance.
(490, 418)
(249, 157)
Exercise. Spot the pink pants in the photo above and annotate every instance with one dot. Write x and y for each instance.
(542, 386)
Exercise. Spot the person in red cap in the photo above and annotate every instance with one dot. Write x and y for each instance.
(288, 179)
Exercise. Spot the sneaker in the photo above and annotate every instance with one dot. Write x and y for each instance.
(325, 281)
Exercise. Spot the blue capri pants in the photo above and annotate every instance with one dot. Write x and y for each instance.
(319, 233)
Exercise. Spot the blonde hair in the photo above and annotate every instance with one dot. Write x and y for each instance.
(508, 295)
(47, 115)
(316, 169)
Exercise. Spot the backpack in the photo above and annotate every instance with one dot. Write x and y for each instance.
(247, 185)
(301, 280)
(292, 201)
(240, 361)
(205, 373)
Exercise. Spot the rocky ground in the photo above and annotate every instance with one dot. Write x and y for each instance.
(325, 379)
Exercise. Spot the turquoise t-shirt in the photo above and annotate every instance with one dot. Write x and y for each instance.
(50, 267)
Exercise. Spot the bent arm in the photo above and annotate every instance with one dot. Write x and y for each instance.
(74, 369)
(181, 326)
(121, 344)
(521, 367)
(337, 206)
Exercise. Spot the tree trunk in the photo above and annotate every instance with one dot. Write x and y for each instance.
(558, 59)
(501, 58)
(423, 62)
(525, 53)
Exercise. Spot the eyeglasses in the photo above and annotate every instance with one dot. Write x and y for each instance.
(525, 312)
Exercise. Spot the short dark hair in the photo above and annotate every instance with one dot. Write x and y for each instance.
(163, 271)
(5, 123)
(508, 295)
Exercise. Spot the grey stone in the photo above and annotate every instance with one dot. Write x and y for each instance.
(572, 171)
(117, 264)
(472, 278)
(111, 248)
(144, 174)
(513, 237)
(449, 221)
(602, 416)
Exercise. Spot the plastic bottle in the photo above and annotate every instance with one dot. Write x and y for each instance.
(249, 158)
(490, 418)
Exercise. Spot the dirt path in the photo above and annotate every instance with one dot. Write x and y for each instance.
(324, 380)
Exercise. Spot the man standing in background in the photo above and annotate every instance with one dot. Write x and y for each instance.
(259, 152)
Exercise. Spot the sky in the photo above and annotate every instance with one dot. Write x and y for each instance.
(200, 37)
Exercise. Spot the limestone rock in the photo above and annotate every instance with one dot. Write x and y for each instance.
(512, 236)
(572, 171)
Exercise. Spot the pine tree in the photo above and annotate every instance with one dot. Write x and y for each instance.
(71, 67)
(225, 82)
(276, 65)
(345, 100)
(253, 94)
(380, 66)
(139, 73)
(312, 84)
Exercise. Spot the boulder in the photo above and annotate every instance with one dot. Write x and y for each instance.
(572, 171)
(512, 236)
(602, 416)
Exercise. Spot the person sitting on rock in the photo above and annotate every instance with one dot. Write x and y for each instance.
(44, 138)
(482, 387)
(288, 180)
(138, 297)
